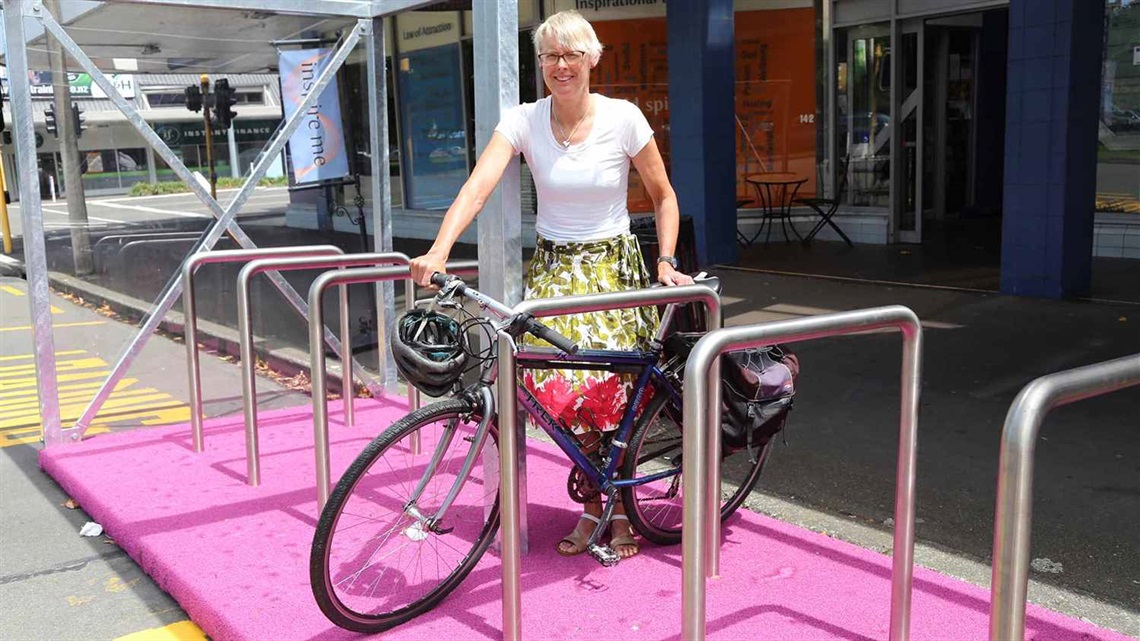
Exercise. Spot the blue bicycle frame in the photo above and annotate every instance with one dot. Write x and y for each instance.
(644, 364)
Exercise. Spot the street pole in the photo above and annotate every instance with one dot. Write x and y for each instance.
(69, 150)
(5, 226)
(205, 83)
(235, 161)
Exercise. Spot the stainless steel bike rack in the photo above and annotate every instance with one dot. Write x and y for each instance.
(190, 328)
(317, 355)
(701, 522)
(511, 486)
(101, 246)
(1014, 513)
(245, 336)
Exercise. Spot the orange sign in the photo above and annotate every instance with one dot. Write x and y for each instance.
(775, 90)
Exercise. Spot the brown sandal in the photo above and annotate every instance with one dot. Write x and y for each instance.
(577, 538)
(625, 540)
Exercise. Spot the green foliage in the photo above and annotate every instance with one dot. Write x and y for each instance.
(175, 187)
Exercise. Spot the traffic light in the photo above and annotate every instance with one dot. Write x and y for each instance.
(49, 116)
(194, 98)
(224, 100)
(77, 119)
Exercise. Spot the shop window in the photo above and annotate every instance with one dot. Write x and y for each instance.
(177, 98)
(105, 169)
(1118, 149)
(434, 130)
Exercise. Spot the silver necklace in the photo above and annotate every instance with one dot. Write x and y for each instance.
(558, 123)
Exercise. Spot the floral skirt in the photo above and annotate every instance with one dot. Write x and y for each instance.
(589, 400)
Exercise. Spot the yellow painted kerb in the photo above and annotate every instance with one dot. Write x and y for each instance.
(181, 631)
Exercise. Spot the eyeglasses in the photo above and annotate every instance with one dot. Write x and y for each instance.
(551, 59)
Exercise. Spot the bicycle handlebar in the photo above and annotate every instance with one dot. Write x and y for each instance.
(520, 323)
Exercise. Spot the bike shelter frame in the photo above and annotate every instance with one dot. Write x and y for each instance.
(701, 522)
(1013, 514)
(317, 355)
(245, 336)
(512, 445)
(368, 26)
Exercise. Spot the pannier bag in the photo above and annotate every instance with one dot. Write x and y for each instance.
(757, 386)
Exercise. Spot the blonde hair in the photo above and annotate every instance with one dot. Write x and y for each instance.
(570, 30)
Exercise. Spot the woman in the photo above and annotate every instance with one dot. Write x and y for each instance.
(579, 147)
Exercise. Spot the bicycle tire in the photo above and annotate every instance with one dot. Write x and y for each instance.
(339, 587)
(655, 509)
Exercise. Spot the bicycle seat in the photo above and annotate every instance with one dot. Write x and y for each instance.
(712, 282)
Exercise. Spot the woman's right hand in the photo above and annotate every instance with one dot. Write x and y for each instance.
(423, 267)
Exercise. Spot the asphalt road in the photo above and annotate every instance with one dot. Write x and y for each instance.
(127, 212)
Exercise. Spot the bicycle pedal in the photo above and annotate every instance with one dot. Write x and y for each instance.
(604, 554)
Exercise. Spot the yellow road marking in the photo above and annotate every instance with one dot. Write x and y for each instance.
(24, 328)
(80, 377)
(120, 391)
(15, 292)
(11, 371)
(181, 631)
(29, 357)
(30, 383)
(67, 388)
(27, 417)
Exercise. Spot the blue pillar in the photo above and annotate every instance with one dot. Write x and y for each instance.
(1050, 149)
(701, 111)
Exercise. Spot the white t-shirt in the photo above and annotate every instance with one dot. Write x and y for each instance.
(582, 189)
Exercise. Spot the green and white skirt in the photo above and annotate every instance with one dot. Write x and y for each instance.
(589, 400)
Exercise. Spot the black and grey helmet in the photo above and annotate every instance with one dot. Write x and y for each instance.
(428, 348)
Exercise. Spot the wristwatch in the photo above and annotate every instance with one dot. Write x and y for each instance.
(669, 259)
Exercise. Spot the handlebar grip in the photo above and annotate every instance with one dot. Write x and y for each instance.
(439, 279)
(554, 338)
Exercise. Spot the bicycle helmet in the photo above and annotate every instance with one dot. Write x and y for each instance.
(428, 348)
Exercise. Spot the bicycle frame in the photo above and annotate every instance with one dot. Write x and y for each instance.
(643, 363)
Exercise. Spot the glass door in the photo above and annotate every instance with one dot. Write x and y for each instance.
(863, 115)
(909, 115)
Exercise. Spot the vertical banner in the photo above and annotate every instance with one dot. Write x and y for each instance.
(317, 147)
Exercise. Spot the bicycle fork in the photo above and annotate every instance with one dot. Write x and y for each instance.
(418, 530)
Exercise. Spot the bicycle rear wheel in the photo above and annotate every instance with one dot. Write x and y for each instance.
(374, 565)
(655, 508)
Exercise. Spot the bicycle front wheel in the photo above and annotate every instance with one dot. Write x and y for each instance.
(655, 507)
(376, 560)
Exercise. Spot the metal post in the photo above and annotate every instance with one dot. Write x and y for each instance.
(1013, 515)
(245, 335)
(702, 430)
(381, 187)
(32, 217)
(225, 218)
(68, 137)
(190, 314)
(511, 530)
(208, 128)
(317, 355)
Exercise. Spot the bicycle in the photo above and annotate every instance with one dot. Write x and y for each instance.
(394, 507)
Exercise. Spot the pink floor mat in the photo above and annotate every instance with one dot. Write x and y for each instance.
(236, 557)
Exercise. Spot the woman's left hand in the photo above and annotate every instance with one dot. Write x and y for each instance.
(666, 275)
